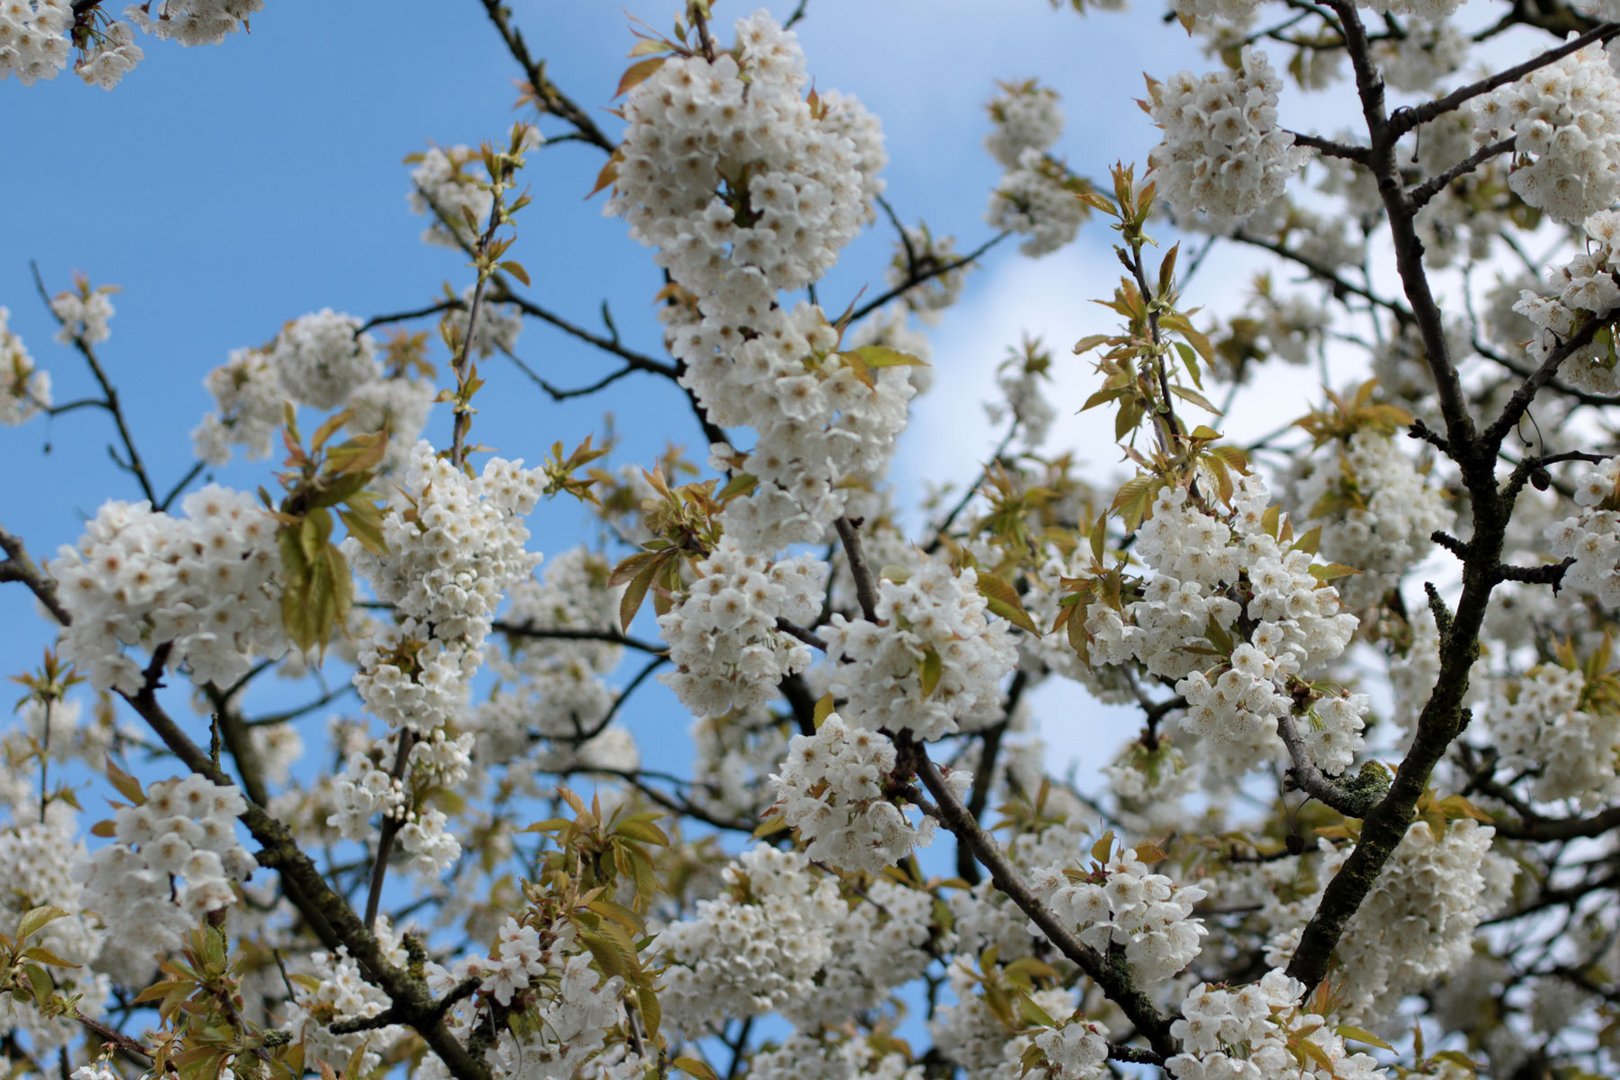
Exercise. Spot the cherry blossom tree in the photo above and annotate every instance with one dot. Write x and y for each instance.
(1362, 822)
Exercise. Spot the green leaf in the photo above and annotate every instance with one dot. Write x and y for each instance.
(738, 486)
(1360, 1035)
(1001, 598)
(613, 951)
(932, 668)
(694, 1067)
(636, 74)
(636, 592)
(36, 919)
(516, 270)
(824, 709)
(1187, 394)
(881, 356)
(126, 785)
(45, 956)
(317, 590)
(39, 982)
(364, 521)
(772, 825)
(1033, 1014)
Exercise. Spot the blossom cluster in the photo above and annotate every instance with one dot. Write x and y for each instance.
(195, 22)
(84, 315)
(722, 635)
(754, 948)
(1564, 119)
(1545, 724)
(1254, 1032)
(1035, 197)
(1592, 536)
(1195, 555)
(251, 406)
(40, 850)
(112, 55)
(455, 545)
(1377, 510)
(826, 420)
(34, 39)
(1024, 116)
(1077, 1050)
(1417, 923)
(443, 187)
(1223, 152)
(878, 942)
(554, 686)
(321, 359)
(204, 584)
(24, 388)
(971, 1034)
(1122, 904)
(35, 35)
(333, 988)
(569, 1019)
(1024, 379)
(797, 176)
(794, 171)
(832, 790)
(933, 662)
(184, 829)
(1585, 284)
(828, 1058)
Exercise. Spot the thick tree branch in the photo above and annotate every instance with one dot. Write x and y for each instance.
(1313, 781)
(19, 566)
(1113, 980)
(1407, 119)
(1433, 186)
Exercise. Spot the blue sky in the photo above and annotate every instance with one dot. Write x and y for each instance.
(229, 189)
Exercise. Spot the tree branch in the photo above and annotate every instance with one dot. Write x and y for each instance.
(1111, 979)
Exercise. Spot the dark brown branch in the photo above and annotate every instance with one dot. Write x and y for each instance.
(809, 637)
(1325, 274)
(1408, 119)
(131, 462)
(1527, 390)
(1311, 780)
(638, 361)
(1443, 716)
(1433, 186)
(451, 304)
(1330, 148)
(389, 830)
(326, 912)
(865, 587)
(927, 273)
(545, 94)
(1110, 978)
(19, 566)
(612, 637)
